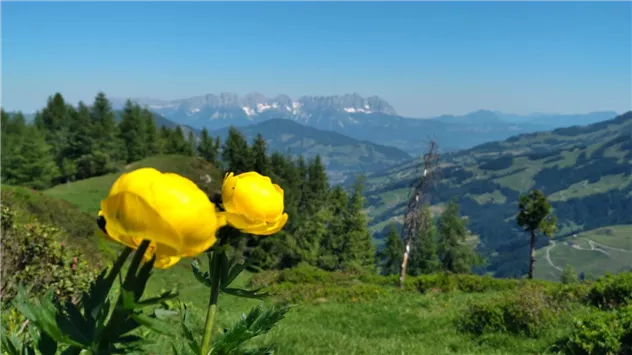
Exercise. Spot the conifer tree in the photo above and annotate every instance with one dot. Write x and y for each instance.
(191, 144)
(359, 248)
(391, 255)
(30, 162)
(207, 149)
(259, 155)
(54, 122)
(106, 129)
(133, 132)
(534, 215)
(236, 153)
(454, 255)
(317, 187)
(82, 144)
(423, 253)
(332, 256)
(154, 143)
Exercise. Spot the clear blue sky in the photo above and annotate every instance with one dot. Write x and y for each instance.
(424, 58)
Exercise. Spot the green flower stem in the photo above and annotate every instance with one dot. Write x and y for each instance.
(215, 265)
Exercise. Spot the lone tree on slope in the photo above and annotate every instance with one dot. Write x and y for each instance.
(534, 215)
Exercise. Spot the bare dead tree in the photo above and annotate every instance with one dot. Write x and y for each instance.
(427, 176)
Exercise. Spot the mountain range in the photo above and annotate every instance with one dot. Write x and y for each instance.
(363, 118)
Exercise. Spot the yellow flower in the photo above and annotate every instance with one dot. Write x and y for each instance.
(253, 203)
(165, 208)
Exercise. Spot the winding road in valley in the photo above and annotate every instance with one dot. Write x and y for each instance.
(594, 246)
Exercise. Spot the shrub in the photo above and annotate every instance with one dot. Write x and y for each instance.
(32, 255)
(445, 282)
(528, 311)
(600, 332)
(611, 292)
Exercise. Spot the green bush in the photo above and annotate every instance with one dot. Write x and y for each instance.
(611, 292)
(445, 282)
(528, 311)
(33, 256)
(600, 333)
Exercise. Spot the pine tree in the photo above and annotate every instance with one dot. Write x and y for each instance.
(454, 255)
(236, 153)
(133, 132)
(391, 255)
(359, 249)
(332, 246)
(423, 253)
(191, 144)
(54, 121)
(82, 144)
(154, 143)
(176, 143)
(207, 149)
(30, 163)
(259, 154)
(317, 187)
(534, 215)
(106, 129)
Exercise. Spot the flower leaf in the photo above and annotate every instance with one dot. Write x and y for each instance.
(254, 294)
(203, 278)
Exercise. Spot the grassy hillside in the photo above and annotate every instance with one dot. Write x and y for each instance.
(586, 171)
(87, 194)
(594, 252)
(341, 154)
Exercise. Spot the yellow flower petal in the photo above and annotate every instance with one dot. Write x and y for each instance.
(129, 216)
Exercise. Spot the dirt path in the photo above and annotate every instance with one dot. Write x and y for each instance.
(548, 256)
(594, 246)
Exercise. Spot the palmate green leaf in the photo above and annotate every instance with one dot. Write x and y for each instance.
(203, 278)
(49, 320)
(258, 321)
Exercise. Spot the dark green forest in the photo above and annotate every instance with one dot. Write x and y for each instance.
(328, 228)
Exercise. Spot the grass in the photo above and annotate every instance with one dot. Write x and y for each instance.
(584, 188)
(86, 194)
(594, 252)
(391, 321)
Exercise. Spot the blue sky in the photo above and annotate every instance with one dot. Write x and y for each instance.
(424, 58)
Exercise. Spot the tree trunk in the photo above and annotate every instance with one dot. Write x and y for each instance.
(402, 274)
(531, 255)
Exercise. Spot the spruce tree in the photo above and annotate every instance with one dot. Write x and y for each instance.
(54, 121)
(133, 132)
(534, 215)
(332, 246)
(207, 149)
(82, 144)
(423, 253)
(106, 129)
(236, 153)
(191, 144)
(30, 163)
(154, 143)
(258, 152)
(392, 253)
(359, 248)
(317, 187)
(454, 255)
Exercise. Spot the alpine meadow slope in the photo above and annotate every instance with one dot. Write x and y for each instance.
(585, 171)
